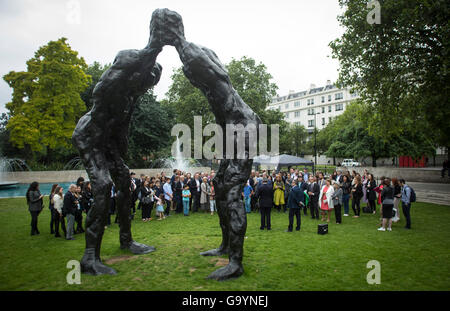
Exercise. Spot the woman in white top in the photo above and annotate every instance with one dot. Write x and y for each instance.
(326, 200)
(58, 205)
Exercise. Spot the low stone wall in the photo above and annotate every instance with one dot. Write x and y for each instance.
(72, 176)
(428, 175)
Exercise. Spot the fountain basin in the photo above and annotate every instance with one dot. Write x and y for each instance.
(5, 184)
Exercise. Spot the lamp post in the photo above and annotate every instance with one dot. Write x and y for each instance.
(315, 139)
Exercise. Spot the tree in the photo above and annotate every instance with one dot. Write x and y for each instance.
(252, 82)
(149, 129)
(293, 140)
(95, 71)
(400, 66)
(46, 100)
(348, 136)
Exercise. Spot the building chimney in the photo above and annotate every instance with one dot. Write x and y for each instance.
(291, 92)
(312, 86)
(328, 82)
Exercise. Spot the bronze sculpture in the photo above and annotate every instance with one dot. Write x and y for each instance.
(101, 138)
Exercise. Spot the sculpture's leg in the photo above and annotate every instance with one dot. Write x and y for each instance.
(121, 177)
(237, 218)
(235, 175)
(95, 222)
(222, 212)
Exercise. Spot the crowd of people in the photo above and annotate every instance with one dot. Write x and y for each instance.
(294, 191)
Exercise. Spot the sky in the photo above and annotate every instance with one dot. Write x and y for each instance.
(290, 37)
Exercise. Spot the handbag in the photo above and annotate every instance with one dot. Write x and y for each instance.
(146, 200)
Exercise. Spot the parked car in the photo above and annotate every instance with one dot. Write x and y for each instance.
(350, 163)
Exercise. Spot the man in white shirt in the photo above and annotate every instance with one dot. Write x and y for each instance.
(168, 195)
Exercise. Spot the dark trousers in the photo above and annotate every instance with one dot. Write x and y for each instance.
(146, 210)
(443, 172)
(265, 216)
(196, 201)
(406, 211)
(337, 213)
(314, 208)
(79, 221)
(34, 222)
(52, 220)
(59, 220)
(179, 207)
(356, 202)
(373, 206)
(305, 209)
(167, 210)
(296, 212)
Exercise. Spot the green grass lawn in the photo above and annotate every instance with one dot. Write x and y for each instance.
(417, 259)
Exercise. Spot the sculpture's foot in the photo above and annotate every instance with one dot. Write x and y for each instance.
(138, 248)
(230, 271)
(215, 252)
(94, 266)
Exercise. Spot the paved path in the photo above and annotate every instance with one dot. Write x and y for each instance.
(432, 192)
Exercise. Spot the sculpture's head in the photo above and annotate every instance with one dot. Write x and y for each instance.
(166, 27)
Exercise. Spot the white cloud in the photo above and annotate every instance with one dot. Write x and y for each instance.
(290, 37)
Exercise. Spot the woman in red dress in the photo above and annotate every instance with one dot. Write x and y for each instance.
(326, 202)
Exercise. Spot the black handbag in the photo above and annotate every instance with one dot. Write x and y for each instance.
(146, 200)
(322, 229)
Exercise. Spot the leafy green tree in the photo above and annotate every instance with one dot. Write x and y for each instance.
(400, 66)
(252, 82)
(293, 140)
(149, 129)
(95, 71)
(46, 100)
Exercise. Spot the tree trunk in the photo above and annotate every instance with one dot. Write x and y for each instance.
(374, 161)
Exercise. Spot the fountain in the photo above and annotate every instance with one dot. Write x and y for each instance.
(74, 164)
(178, 161)
(11, 165)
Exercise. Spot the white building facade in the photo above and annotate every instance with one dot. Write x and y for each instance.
(315, 106)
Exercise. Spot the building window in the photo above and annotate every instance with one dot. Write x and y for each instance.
(329, 98)
(297, 123)
(297, 114)
(310, 123)
(311, 111)
(329, 119)
(297, 104)
(338, 96)
(339, 107)
(279, 107)
(323, 109)
(287, 114)
(329, 108)
(323, 99)
(323, 121)
(312, 101)
(286, 106)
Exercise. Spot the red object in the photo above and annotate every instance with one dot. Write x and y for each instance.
(407, 161)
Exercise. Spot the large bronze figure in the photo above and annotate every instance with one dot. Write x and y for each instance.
(101, 137)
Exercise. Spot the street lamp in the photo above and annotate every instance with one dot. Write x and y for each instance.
(315, 139)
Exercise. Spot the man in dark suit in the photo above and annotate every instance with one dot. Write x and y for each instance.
(313, 192)
(264, 193)
(303, 186)
(194, 188)
(295, 201)
(70, 205)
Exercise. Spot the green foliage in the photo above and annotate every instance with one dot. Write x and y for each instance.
(399, 67)
(46, 99)
(149, 129)
(348, 136)
(251, 81)
(95, 71)
(293, 140)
